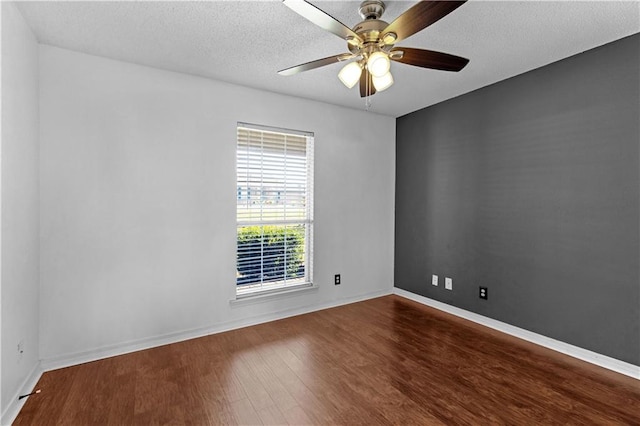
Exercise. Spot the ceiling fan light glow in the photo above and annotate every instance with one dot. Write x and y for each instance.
(349, 75)
(378, 64)
(383, 83)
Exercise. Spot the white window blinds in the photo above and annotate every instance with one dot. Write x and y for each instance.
(274, 208)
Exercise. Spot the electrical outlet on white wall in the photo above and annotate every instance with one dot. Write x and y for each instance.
(434, 280)
(448, 283)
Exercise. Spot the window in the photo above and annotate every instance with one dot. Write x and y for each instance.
(274, 211)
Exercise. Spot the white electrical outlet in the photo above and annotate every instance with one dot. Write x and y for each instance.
(434, 280)
(448, 283)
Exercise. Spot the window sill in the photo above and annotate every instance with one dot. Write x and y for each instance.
(269, 295)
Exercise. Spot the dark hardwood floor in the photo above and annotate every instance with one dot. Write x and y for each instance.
(383, 361)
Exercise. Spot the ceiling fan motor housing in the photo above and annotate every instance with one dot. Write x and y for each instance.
(369, 30)
(371, 9)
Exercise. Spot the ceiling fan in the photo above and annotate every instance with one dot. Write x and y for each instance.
(371, 42)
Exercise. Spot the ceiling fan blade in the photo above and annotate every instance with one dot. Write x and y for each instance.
(429, 59)
(419, 17)
(366, 86)
(322, 19)
(316, 64)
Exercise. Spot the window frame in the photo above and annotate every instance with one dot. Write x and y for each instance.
(269, 288)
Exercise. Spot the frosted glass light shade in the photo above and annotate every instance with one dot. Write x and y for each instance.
(349, 75)
(382, 83)
(378, 64)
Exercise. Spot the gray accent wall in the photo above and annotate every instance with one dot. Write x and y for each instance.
(530, 187)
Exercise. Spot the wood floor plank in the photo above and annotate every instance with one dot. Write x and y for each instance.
(297, 416)
(258, 366)
(272, 416)
(382, 361)
(244, 413)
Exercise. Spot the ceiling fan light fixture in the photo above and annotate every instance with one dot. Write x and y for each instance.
(353, 41)
(349, 75)
(389, 38)
(396, 54)
(371, 43)
(383, 82)
(378, 64)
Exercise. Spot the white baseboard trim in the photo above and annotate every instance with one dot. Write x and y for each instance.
(11, 411)
(68, 360)
(604, 361)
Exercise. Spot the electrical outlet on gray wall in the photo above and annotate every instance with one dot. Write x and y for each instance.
(484, 293)
(448, 283)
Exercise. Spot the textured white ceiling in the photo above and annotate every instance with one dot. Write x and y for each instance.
(246, 42)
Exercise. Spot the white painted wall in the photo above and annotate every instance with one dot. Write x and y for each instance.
(19, 213)
(138, 201)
